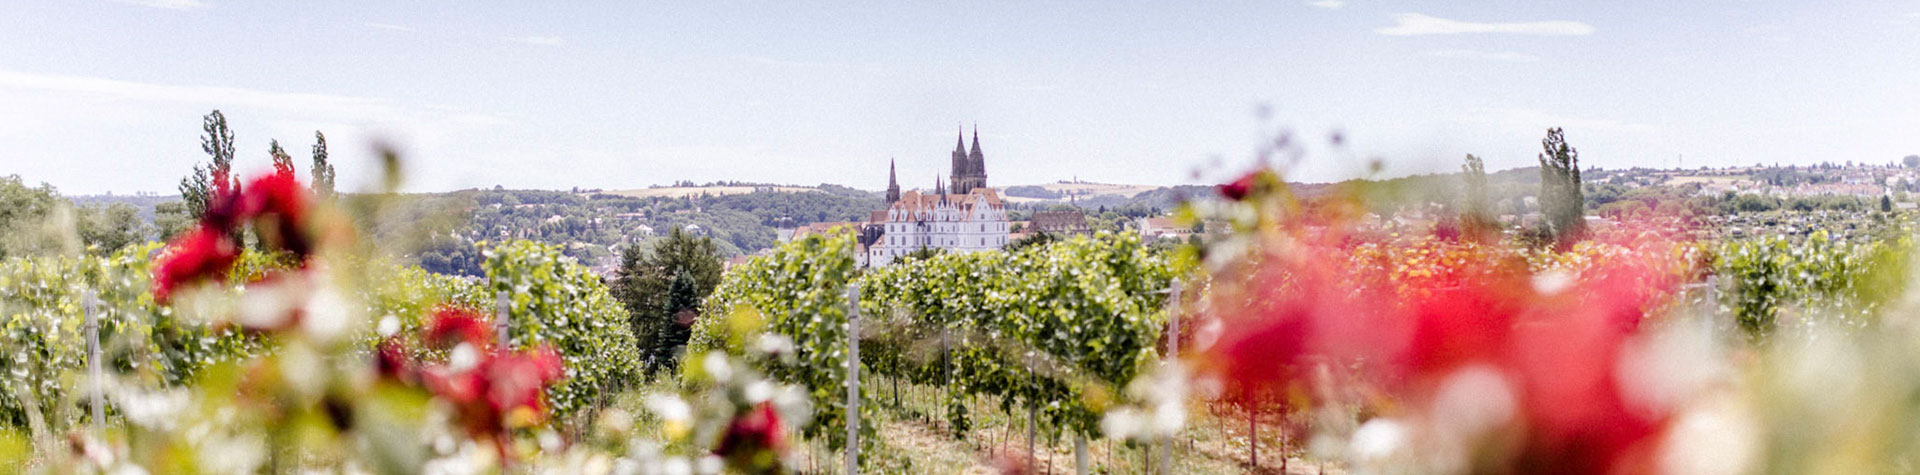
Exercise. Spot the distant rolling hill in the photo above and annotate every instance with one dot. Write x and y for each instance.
(686, 191)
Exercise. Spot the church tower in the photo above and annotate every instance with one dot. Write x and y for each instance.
(961, 161)
(969, 167)
(976, 164)
(893, 183)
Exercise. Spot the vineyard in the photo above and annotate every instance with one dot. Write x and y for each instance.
(268, 339)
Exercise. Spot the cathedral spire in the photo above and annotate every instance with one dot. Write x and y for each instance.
(978, 165)
(959, 168)
(893, 182)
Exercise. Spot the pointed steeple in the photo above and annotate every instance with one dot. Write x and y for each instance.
(960, 139)
(893, 182)
(977, 162)
(975, 154)
(959, 167)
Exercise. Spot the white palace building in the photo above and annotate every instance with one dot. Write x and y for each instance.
(969, 217)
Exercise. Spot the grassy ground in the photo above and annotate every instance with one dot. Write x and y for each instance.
(914, 438)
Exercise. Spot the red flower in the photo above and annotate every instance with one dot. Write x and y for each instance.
(453, 325)
(1240, 188)
(201, 254)
(279, 196)
(517, 380)
(390, 359)
(1567, 361)
(1457, 326)
(500, 387)
(1405, 323)
(750, 434)
(209, 250)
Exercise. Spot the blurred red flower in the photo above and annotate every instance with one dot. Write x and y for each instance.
(281, 198)
(210, 249)
(1406, 322)
(201, 254)
(501, 392)
(752, 433)
(1240, 188)
(391, 361)
(453, 325)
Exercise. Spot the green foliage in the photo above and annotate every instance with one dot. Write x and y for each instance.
(662, 286)
(1476, 213)
(45, 342)
(552, 299)
(1057, 327)
(1054, 328)
(594, 228)
(170, 219)
(37, 221)
(23, 210)
(797, 293)
(110, 227)
(1848, 283)
(1036, 239)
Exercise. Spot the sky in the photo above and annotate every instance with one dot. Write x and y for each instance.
(108, 95)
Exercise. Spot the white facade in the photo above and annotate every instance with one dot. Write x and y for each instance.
(976, 221)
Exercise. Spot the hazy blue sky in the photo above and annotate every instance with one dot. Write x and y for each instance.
(107, 95)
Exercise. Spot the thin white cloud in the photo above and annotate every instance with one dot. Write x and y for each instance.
(1329, 4)
(113, 122)
(168, 4)
(388, 26)
(117, 89)
(536, 40)
(1411, 24)
(1496, 56)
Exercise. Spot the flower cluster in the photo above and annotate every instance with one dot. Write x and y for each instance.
(1491, 366)
(275, 205)
(492, 390)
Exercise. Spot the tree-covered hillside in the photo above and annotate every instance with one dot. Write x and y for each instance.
(594, 227)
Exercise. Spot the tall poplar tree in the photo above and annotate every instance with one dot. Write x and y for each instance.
(1476, 216)
(198, 189)
(282, 162)
(1562, 206)
(322, 171)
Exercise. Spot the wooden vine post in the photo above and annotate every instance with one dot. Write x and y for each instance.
(853, 378)
(95, 374)
(1253, 434)
(502, 322)
(1172, 359)
(1033, 406)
